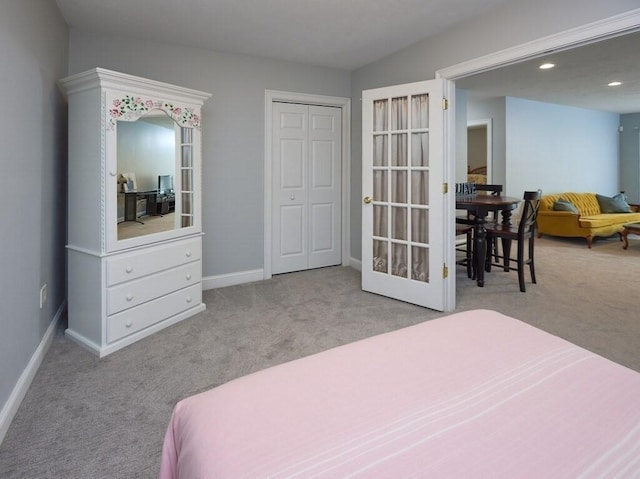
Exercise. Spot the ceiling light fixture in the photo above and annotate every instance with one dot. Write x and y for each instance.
(547, 66)
(614, 83)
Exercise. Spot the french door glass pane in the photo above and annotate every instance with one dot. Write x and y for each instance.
(187, 221)
(399, 149)
(380, 115)
(398, 186)
(420, 149)
(399, 260)
(420, 111)
(420, 187)
(380, 150)
(380, 226)
(399, 113)
(380, 254)
(398, 223)
(420, 264)
(419, 225)
(380, 186)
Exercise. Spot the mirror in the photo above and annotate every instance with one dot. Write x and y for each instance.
(154, 171)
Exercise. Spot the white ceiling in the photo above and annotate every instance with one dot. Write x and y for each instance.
(344, 34)
(579, 79)
(348, 34)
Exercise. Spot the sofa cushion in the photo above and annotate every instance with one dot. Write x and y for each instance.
(564, 205)
(586, 203)
(604, 219)
(616, 204)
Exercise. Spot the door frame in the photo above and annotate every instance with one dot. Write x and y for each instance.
(344, 104)
(581, 35)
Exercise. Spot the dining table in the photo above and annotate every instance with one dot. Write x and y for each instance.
(480, 205)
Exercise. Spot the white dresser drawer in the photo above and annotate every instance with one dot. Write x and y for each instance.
(132, 293)
(135, 319)
(136, 264)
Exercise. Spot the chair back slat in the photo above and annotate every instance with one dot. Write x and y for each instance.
(529, 212)
(495, 190)
(466, 189)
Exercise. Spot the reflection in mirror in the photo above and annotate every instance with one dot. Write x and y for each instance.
(146, 158)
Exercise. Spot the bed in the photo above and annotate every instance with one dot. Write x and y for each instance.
(474, 394)
(477, 175)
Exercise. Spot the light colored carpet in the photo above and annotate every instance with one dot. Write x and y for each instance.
(146, 225)
(89, 418)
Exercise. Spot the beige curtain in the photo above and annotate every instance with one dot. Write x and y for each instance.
(392, 221)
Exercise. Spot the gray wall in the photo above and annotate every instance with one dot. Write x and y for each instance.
(553, 147)
(33, 49)
(515, 23)
(559, 148)
(233, 128)
(630, 156)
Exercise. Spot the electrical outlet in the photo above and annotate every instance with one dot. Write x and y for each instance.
(43, 295)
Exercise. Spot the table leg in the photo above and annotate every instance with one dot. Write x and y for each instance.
(506, 217)
(130, 208)
(480, 246)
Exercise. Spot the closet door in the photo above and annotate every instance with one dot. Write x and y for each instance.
(306, 187)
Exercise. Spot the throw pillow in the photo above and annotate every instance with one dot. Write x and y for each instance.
(564, 205)
(617, 204)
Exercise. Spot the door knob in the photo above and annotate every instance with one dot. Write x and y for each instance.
(367, 199)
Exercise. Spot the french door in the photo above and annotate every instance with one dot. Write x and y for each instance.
(307, 187)
(402, 187)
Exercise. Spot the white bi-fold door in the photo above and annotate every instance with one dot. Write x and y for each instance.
(307, 203)
(403, 195)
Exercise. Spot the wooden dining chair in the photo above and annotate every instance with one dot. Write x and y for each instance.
(466, 248)
(523, 233)
(464, 227)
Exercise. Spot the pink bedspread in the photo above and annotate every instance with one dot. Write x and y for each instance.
(475, 394)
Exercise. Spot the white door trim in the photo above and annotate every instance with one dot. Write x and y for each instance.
(589, 33)
(345, 104)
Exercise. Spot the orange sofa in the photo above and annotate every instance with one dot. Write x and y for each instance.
(587, 223)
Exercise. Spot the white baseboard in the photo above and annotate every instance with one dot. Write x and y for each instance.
(241, 277)
(231, 279)
(355, 264)
(10, 408)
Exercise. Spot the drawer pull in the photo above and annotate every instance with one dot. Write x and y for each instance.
(129, 297)
(189, 299)
(129, 269)
(188, 276)
(188, 254)
(128, 324)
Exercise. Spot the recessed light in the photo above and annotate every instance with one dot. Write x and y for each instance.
(547, 66)
(614, 83)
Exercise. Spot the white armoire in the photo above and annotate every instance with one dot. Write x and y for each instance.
(134, 199)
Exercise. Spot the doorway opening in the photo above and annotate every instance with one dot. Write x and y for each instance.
(479, 151)
(593, 32)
